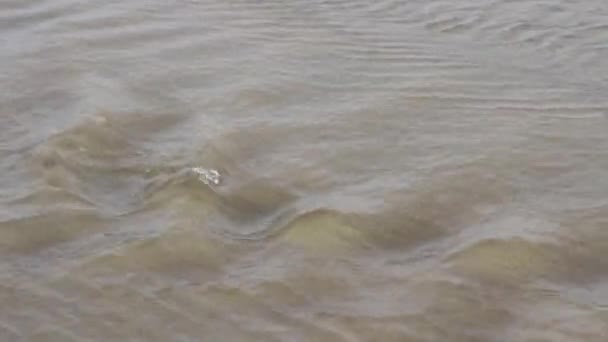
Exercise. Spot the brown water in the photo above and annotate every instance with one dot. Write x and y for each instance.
(422, 170)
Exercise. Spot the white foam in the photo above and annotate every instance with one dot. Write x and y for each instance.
(208, 176)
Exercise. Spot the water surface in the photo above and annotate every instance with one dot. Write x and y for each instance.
(390, 170)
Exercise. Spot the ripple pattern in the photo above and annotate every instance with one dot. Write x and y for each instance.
(325, 170)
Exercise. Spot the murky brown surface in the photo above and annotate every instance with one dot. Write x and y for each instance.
(391, 170)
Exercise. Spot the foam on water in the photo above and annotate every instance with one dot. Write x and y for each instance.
(208, 176)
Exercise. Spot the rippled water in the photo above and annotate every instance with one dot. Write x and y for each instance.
(205, 170)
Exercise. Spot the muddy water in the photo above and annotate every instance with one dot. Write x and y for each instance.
(386, 170)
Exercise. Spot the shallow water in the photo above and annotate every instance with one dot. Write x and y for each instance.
(386, 170)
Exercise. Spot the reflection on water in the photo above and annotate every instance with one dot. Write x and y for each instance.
(303, 170)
